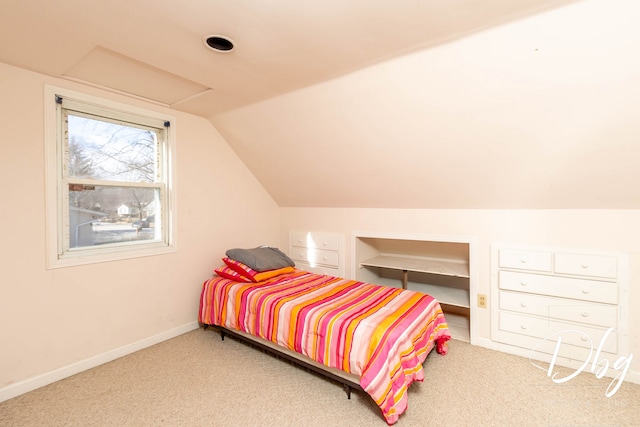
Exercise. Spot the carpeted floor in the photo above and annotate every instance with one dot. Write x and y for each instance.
(198, 380)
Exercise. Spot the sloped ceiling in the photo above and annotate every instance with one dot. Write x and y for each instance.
(281, 45)
(416, 103)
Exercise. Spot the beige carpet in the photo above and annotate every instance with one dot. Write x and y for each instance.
(198, 380)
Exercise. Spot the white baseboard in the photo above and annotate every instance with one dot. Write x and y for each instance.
(42, 380)
(631, 376)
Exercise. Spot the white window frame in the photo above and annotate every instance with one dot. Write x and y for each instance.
(56, 230)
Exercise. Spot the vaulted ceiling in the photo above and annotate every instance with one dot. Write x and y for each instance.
(334, 103)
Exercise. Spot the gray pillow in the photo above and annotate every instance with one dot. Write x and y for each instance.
(263, 258)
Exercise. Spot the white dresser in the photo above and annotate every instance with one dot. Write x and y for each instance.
(320, 253)
(544, 295)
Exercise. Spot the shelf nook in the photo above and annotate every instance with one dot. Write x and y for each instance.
(440, 268)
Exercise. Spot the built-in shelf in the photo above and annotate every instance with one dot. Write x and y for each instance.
(437, 267)
(420, 265)
(445, 295)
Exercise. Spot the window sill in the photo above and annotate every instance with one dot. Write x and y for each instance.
(102, 256)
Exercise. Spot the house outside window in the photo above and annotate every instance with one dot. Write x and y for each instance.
(109, 180)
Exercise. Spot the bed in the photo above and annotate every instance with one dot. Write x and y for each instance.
(368, 337)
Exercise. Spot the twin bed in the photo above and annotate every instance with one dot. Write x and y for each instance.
(366, 336)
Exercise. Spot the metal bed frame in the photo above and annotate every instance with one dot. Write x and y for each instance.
(348, 381)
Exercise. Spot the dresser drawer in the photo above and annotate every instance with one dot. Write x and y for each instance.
(525, 260)
(586, 265)
(315, 256)
(314, 240)
(566, 287)
(560, 308)
(542, 328)
(329, 271)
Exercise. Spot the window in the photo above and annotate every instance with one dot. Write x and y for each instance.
(109, 192)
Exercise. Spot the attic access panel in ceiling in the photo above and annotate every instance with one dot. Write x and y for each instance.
(111, 70)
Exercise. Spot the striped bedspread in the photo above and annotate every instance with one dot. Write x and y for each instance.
(380, 334)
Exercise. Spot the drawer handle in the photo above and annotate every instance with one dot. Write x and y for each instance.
(584, 314)
(523, 304)
(523, 327)
(585, 265)
(585, 291)
(524, 260)
(523, 283)
(584, 338)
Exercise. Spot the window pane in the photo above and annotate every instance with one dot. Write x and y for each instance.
(100, 149)
(101, 214)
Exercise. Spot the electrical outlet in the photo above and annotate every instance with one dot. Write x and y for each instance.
(482, 301)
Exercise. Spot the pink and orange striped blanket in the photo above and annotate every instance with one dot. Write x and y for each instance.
(378, 333)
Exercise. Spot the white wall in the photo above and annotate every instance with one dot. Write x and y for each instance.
(540, 113)
(54, 322)
(599, 230)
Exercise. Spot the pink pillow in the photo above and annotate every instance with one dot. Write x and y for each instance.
(251, 274)
(229, 273)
